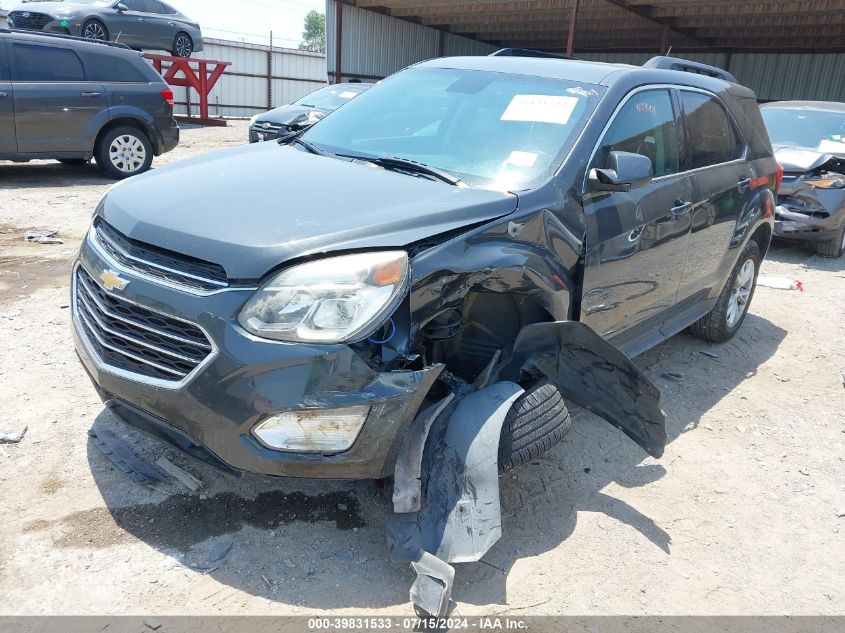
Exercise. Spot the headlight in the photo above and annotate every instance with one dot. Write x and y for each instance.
(334, 300)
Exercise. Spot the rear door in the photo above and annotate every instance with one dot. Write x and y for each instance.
(637, 240)
(55, 106)
(7, 106)
(722, 181)
(159, 27)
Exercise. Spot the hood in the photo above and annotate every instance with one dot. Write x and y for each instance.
(253, 207)
(793, 159)
(293, 115)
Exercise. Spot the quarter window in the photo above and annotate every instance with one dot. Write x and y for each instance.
(711, 136)
(45, 63)
(645, 125)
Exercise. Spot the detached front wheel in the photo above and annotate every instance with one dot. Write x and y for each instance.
(730, 310)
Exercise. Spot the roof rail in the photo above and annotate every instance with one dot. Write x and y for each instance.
(685, 65)
(527, 52)
(64, 37)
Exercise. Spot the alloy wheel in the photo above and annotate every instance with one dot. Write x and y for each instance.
(94, 31)
(184, 47)
(740, 294)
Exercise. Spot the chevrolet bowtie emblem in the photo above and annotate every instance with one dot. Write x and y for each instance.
(112, 281)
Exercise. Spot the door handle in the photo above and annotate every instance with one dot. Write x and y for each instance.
(743, 184)
(141, 20)
(681, 207)
(172, 23)
(3, 94)
(89, 94)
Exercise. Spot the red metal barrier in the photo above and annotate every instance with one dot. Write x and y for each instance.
(177, 71)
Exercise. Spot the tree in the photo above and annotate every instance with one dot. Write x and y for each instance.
(314, 35)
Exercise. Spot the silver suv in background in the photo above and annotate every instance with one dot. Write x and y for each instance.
(71, 99)
(140, 24)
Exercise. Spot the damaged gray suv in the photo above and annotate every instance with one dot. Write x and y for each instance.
(414, 287)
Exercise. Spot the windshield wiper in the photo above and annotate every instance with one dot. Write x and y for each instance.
(293, 137)
(394, 163)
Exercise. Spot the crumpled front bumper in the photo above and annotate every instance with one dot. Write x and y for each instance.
(246, 379)
(800, 226)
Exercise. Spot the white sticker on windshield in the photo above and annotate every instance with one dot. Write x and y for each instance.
(348, 94)
(540, 109)
(522, 159)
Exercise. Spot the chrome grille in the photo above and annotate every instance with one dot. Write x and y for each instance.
(29, 20)
(130, 337)
(159, 263)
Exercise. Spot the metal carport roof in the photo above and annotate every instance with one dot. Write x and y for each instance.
(782, 26)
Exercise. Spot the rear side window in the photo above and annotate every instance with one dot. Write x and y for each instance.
(113, 69)
(644, 125)
(31, 62)
(711, 138)
(4, 67)
(154, 6)
(759, 145)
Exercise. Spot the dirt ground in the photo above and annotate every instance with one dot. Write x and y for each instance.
(738, 517)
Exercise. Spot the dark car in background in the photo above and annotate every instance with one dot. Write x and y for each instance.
(303, 112)
(411, 287)
(72, 99)
(809, 141)
(140, 24)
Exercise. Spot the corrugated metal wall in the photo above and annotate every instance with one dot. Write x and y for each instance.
(374, 45)
(243, 89)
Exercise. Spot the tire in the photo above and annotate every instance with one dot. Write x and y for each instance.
(124, 152)
(835, 247)
(95, 30)
(537, 421)
(720, 325)
(183, 45)
(73, 161)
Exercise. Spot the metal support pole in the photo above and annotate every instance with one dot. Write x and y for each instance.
(270, 74)
(664, 40)
(338, 42)
(573, 22)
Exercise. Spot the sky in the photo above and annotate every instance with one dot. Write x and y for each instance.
(250, 20)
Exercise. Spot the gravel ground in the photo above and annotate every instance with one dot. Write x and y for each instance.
(738, 517)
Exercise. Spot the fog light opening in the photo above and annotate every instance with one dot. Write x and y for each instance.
(313, 430)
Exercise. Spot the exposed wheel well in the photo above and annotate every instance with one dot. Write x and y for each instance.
(466, 338)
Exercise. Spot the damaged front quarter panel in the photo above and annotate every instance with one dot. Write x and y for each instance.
(593, 374)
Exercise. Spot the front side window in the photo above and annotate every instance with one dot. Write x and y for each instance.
(711, 137)
(31, 62)
(494, 130)
(135, 5)
(644, 125)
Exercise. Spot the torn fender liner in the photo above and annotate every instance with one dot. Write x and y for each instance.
(595, 375)
(460, 518)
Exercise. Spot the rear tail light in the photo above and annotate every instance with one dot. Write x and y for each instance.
(167, 95)
(779, 177)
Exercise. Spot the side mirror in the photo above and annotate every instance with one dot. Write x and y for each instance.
(121, 8)
(624, 170)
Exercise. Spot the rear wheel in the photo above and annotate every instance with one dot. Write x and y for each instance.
(95, 30)
(730, 310)
(183, 45)
(124, 152)
(835, 247)
(537, 421)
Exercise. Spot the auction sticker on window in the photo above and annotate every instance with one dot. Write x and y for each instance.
(540, 109)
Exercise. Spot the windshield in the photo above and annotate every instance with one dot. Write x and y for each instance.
(330, 98)
(811, 129)
(492, 130)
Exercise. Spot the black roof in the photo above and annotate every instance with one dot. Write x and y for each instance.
(58, 37)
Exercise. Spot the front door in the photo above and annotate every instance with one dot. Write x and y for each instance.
(7, 107)
(55, 107)
(126, 26)
(637, 240)
(159, 27)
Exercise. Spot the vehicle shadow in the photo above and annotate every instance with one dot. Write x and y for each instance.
(43, 174)
(803, 254)
(321, 544)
